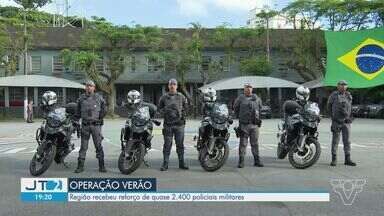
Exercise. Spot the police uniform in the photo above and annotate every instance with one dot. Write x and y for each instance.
(247, 109)
(91, 109)
(340, 105)
(173, 107)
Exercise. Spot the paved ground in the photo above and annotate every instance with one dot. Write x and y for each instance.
(17, 146)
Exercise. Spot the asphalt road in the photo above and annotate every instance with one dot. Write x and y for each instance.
(17, 146)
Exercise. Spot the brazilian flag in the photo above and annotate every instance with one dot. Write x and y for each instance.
(355, 56)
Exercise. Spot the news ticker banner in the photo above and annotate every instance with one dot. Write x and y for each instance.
(141, 190)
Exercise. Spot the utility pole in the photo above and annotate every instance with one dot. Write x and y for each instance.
(25, 62)
(268, 49)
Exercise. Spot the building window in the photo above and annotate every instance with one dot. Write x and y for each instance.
(132, 63)
(224, 63)
(2, 97)
(35, 64)
(206, 61)
(155, 65)
(16, 96)
(100, 65)
(57, 65)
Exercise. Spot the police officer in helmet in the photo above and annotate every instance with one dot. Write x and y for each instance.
(340, 108)
(291, 107)
(91, 109)
(48, 102)
(135, 102)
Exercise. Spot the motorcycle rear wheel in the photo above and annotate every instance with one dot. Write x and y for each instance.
(281, 151)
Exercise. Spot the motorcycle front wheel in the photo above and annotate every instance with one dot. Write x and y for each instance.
(38, 165)
(130, 161)
(306, 158)
(215, 160)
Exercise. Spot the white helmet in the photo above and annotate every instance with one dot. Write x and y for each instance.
(209, 95)
(49, 98)
(133, 97)
(302, 93)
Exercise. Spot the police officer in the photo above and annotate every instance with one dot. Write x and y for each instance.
(48, 103)
(91, 109)
(134, 103)
(173, 107)
(339, 106)
(291, 107)
(247, 108)
(209, 100)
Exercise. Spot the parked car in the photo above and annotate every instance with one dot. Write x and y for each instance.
(266, 112)
(359, 111)
(375, 110)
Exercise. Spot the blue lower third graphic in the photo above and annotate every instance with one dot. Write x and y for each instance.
(44, 196)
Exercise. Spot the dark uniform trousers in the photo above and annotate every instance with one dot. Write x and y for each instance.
(170, 132)
(251, 132)
(345, 130)
(86, 131)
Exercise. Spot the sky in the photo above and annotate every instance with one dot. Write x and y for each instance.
(165, 13)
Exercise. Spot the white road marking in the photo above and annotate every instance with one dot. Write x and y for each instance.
(358, 145)
(152, 149)
(13, 151)
(4, 149)
(77, 149)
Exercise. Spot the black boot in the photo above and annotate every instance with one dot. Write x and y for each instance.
(164, 167)
(241, 162)
(258, 163)
(334, 160)
(182, 164)
(80, 166)
(348, 161)
(101, 165)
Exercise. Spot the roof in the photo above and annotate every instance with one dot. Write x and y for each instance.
(255, 81)
(38, 81)
(317, 83)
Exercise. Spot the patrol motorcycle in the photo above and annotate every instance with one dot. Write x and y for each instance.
(213, 145)
(135, 140)
(54, 139)
(304, 151)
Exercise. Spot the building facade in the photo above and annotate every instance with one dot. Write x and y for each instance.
(140, 73)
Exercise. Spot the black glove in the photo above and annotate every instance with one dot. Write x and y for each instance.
(258, 122)
(348, 120)
(237, 131)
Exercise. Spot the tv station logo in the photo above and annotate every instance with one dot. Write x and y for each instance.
(44, 189)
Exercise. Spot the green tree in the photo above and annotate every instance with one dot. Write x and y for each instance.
(255, 66)
(306, 11)
(11, 48)
(111, 44)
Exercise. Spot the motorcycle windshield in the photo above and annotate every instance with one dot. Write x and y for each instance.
(312, 112)
(56, 118)
(141, 117)
(220, 113)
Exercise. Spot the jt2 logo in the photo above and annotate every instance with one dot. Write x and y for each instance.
(45, 185)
